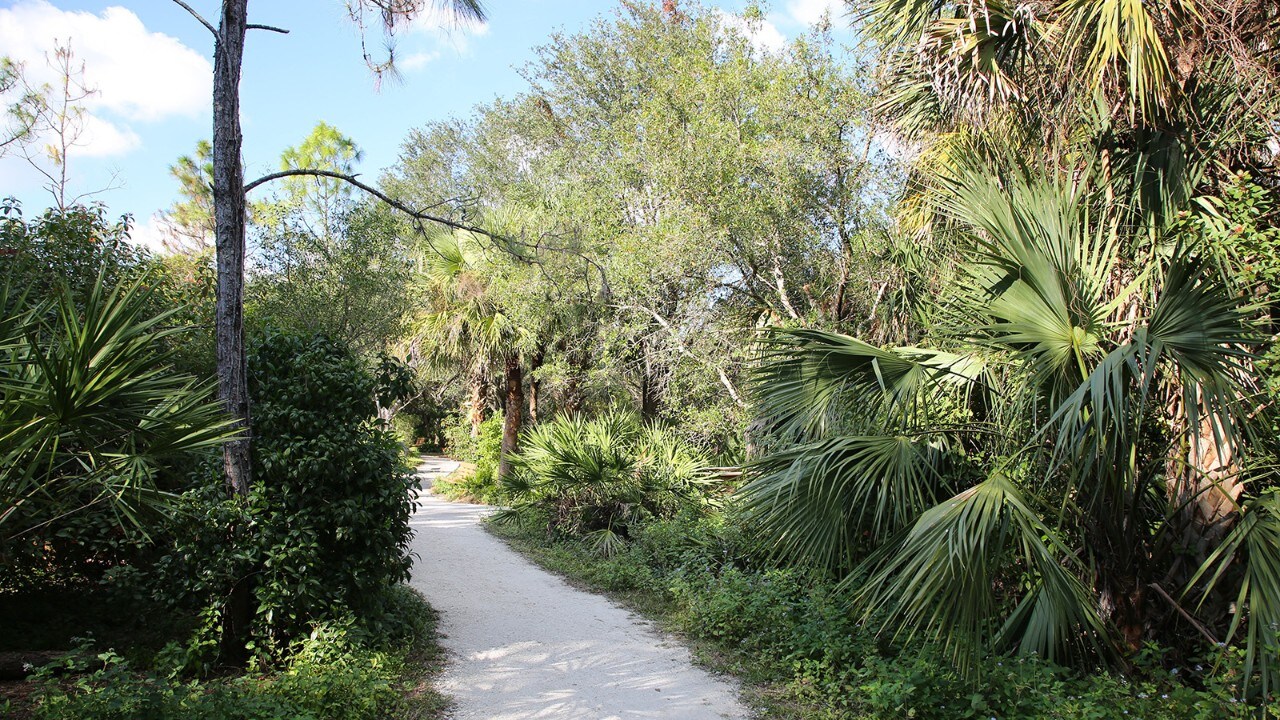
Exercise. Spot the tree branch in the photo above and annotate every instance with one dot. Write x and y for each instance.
(197, 16)
(351, 179)
(421, 215)
(684, 350)
(1186, 615)
(272, 28)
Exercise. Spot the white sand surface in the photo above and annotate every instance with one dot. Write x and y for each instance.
(525, 644)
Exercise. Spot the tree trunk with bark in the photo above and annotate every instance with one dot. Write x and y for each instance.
(229, 216)
(229, 233)
(511, 420)
(535, 385)
(475, 403)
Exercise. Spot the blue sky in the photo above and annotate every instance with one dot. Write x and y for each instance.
(149, 61)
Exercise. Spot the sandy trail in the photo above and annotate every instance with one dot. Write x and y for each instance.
(525, 644)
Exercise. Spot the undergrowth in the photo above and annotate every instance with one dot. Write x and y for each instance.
(336, 672)
(789, 636)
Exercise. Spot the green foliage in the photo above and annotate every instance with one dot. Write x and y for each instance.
(331, 504)
(650, 226)
(67, 248)
(599, 478)
(91, 420)
(192, 217)
(988, 489)
(325, 529)
(477, 480)
(350, 281)
(331, 674)
(330, 265)
(804, 655)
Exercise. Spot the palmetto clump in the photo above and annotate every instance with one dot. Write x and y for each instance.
(1027, 480)
(598, 478)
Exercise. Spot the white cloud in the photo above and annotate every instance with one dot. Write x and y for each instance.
(416, 61)
(103, 138)
(762, 34)
(809, 12)
(139, 76)
(151, 234)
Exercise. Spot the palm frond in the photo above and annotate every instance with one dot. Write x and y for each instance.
(807, 377)
(940, 580)
(1254, 546)
(823, 502)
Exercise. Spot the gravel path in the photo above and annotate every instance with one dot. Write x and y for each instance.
(525, 644)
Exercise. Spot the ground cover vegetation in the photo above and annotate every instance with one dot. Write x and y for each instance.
(929, 377)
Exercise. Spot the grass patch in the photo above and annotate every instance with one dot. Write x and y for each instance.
(467, 485)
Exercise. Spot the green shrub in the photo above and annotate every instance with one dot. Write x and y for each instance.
(331, 498)
(325, 529)
(792, 630)
(477, 480)
(601, 478)
(93, 422)
(332, 673)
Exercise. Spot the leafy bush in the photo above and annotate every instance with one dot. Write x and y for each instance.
(331, 674)
(600, 478)
(479, 482)
(461, 446)
(331, 501)
(325, 529)
(91, 418)
(68, 249)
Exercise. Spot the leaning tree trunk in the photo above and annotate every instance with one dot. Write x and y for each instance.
(229, 232)
(511, 420)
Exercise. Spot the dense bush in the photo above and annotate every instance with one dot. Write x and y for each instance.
(601, 478)
(332, 497)
(477, 480)
(67, 249)
(73, 249)
(94, 427)
(793, 631)
(325, 530)
(331, 674)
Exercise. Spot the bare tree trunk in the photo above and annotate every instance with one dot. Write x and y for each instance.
(535, 385)
(512, 419)
(475, 403)
(229, 229)
(649, 399)
(229, 216)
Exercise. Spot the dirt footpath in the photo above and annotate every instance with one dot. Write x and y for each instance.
(525, 644)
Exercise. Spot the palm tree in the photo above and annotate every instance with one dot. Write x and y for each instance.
(1164, 94)
(1015, 483)
(464, 324)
